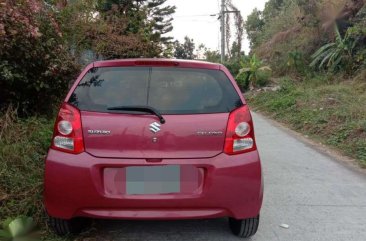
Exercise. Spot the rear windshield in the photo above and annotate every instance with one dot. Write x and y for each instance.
(169, 90)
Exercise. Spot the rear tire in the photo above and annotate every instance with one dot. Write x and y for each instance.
(244, 228)
(64, 227)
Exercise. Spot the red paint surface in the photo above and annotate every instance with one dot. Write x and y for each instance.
(75, 185)
(131, 138)
(93, 183)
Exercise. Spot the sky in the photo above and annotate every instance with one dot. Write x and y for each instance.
(192, 19)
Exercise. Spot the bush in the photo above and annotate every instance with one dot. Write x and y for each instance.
(263, 77)
(254, 73)
(243, 81)
(337, 55)
(35, 67)
(233, 66)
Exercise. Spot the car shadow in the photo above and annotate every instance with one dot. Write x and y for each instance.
(208, 229)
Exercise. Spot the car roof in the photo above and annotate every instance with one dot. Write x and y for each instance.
(157, 62)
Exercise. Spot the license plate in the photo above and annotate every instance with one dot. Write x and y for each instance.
(153, 180)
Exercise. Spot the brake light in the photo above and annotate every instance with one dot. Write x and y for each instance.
(157, 62)
(239, 133)
(68, 134)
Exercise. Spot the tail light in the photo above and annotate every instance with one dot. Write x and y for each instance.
(68, 134)
(240, 132)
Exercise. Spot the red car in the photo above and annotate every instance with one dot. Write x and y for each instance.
(153, 139)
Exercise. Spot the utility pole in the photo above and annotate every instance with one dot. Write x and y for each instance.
(222, 16)
(222, 21)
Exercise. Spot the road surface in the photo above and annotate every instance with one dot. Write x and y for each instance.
(317, 196)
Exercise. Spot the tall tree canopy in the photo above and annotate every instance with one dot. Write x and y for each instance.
(154, 15)
(118, 28)
(161, 19)
(184, 50)
(253, 27)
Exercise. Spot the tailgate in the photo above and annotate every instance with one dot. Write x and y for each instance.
(130, 136)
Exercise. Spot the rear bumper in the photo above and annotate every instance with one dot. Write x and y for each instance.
(75, 186)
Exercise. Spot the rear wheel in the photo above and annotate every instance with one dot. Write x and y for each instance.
(244, 228)
(64, 227)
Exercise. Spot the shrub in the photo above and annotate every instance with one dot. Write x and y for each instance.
(254, 72)
(233, 66)
(243, 81)
(35, 67)
(296, 62)
(336, 55)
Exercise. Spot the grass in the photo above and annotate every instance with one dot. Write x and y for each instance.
(333, 113)
(23, 146)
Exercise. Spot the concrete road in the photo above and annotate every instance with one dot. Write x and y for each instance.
(318, 197)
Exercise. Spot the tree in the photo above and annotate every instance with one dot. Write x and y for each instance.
(254, 26)
(239, 26)
(272, 9)
(162, 20)
(110, 29)
(150, 15)
(213, 56)
(184, 50)
(236, 52)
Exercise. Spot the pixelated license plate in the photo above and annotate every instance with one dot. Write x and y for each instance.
(153, 180)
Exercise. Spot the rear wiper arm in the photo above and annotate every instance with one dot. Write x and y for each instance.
(147, 109)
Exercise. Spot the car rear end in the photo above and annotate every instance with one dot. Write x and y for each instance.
(193, 156)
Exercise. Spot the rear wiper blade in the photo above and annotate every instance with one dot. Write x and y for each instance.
(147, 109)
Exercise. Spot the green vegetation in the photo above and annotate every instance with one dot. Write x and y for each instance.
(23, 146)
(306, 28)
(320, 47)
(333, 113)
(43, 45)
(35, 68)
(253, 73)
(184, 50)
(335, 56)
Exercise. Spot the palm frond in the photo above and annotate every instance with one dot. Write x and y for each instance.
(322, 49)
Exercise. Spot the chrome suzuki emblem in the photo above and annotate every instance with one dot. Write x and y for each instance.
(155, 127)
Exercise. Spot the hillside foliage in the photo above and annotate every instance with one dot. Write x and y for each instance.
(316, 49)
(292, 34)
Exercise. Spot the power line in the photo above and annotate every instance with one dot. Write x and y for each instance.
(201, 15)
(197, 20)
